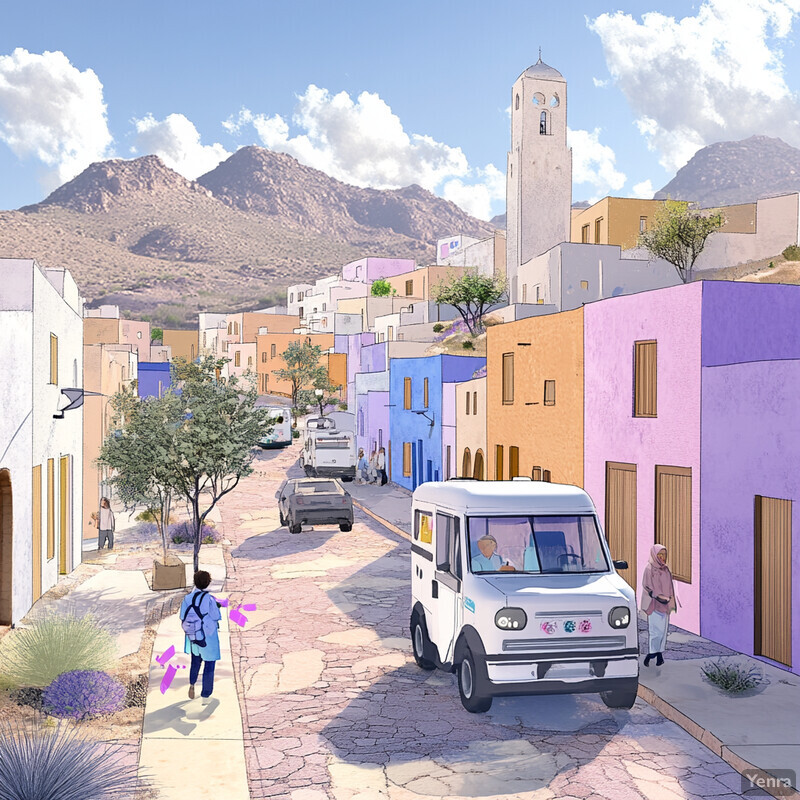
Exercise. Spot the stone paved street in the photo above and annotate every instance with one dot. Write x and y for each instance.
(334, 706)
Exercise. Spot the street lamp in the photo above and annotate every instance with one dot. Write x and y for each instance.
(319, 393)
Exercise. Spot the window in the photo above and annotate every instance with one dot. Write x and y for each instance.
(508, 379)
(539, 298)
(642, 224)
(536, 473)
(597, 225)
(516, 103)
(448, 545)
(230, 328)
(584, 285)
(546, 475)
(645, 379)
(407, 462)
(549, 393)
(409, 288)
(139, 334)
(324, 306)
(543, 123)
(300, 296)
(192, 353)
(524, 292)
(447, 465)
(474, 402)
(204, 338)
(554, 101)
(264, 357)
(273, 350)
(291, 297)
(466, 463)
(51, 508)
(53, 359)
(300, 312)
(513, 462)
(498, 462)
(407, 393)
(585, 234)
(674, 518)
(538, 99)
(225, 346)
(425, 392)
(466, 407)
(423, 522)
(249, 361)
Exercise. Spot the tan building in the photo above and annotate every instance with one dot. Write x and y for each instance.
(269, 347)
(183, 344)
(109, 329)
(534, 416)
(471, 429)
(242, 359)
(107, 369)
(417, 283)
(274, 323)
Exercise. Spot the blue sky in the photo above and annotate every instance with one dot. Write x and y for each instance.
(388, 94)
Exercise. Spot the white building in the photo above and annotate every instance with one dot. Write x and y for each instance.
(487, 256)
(296, 298)
(41, 455)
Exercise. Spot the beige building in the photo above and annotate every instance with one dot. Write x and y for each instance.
(613, 220)
(104, 325)
(471, 459)
(183, 344)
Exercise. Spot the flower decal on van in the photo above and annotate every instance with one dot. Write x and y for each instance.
(569, 626)
(585, 626)
(549, 627)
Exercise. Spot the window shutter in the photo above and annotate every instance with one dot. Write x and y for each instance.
(549, 393)
(407, 393)
(645, 379)
(508, 378)
(406, 459)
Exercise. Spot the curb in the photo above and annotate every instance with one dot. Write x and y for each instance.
(710, 741)
(668, 711)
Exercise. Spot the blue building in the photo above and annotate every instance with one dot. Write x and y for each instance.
(154, 378)
(417, 413)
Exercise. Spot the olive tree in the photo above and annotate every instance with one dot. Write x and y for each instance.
(471, 293)
(302, 367)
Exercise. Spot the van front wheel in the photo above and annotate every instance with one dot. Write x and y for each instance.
(420, 643)
(469, 686)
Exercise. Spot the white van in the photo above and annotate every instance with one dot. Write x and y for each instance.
(513, 588)
(327, 451)
(280, 435)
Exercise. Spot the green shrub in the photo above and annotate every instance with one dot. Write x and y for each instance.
(733, 677)
(438, 327)
(295, 434)
(342, 406)
(468, 345)
(57, 643)
(792, 253)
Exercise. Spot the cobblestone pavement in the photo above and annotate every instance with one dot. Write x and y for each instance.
(334, 706)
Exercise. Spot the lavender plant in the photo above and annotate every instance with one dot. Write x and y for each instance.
(57, 643)
(37, 763)
(184, 532)
(82, 693)
(733, 677)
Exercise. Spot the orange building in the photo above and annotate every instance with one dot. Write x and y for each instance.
(418, 282)
(183, 344)
(269, 347)
(113, 330)
(534, 398)
(274, 323)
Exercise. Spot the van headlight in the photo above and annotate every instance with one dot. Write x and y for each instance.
(510, 619)
(619, 617)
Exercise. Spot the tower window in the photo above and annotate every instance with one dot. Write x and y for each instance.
(543, 123)
(538, 99)
(516, 104)
(554, 101)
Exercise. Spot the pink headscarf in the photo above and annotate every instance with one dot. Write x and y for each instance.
(657, 580)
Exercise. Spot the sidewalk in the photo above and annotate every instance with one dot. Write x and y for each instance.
(754, 733)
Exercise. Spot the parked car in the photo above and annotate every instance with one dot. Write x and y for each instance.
(513, 588)
(309, 501)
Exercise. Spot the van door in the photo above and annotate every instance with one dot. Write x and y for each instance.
(446, 585)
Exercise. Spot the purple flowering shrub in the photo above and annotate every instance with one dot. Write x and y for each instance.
(79, 693)
(183, 532)
(457, 326)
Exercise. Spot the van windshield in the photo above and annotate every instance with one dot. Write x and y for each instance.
(536, 544)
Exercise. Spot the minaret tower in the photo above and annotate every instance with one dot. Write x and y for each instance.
(539, 171)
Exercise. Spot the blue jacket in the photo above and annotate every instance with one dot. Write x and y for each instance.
(211, 618)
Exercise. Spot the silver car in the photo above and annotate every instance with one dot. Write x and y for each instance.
(309, 501)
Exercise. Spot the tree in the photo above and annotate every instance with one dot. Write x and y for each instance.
(309, 397)
(215, 438)
(302, 367)
(679, 234)
(141, 451)
(471, 293)
(382, 288)
(156, 335)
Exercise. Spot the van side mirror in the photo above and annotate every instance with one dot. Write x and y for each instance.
(620, 565)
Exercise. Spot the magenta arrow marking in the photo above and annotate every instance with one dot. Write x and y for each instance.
(249, 607)
(237, 617)
(166, 655)
(167, 679)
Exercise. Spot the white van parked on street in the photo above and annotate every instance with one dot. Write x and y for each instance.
(327, 451)
(513, 588)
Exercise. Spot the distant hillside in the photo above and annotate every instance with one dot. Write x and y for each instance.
(727, 173)
(138, 234)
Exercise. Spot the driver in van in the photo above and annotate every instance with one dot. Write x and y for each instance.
(488, 560)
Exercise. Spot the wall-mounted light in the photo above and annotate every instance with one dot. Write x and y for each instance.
(425, 414)
(75, 397)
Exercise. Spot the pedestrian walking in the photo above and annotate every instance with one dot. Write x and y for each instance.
(105, 525)
(205, 652)
(383, 480)
(658, 602)
(361, 467)
(373, 467)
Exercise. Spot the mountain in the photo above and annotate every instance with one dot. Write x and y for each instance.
(137, 234)
(727, 173)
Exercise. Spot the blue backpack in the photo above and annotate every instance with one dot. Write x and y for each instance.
(192, 622)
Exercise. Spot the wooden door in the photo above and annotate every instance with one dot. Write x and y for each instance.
(64, 515)
(621, 516)
(36, 528)
(773, 579)
(478, 468)
(673, 518)
(513, 462)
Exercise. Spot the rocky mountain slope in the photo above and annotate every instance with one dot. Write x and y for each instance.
(727, 173)
(136, 233)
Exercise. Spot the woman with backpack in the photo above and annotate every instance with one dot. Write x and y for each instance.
(200, 618)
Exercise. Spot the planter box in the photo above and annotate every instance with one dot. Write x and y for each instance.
(169, 575)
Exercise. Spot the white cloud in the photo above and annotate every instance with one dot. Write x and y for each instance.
(644, 190)
(52, 111)
(599, 84)
(714, 76)
(594, 163)
(176, 140)
(362, 142)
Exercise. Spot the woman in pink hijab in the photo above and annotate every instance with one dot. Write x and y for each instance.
(658, 602)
